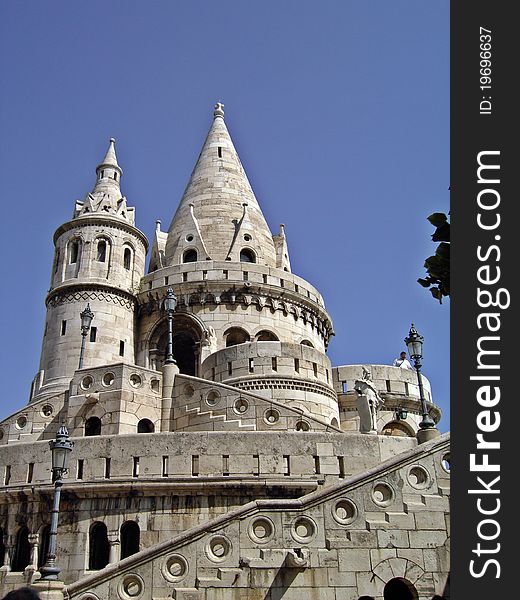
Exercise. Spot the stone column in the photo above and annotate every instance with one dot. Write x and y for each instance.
(49, 590)
(169, 371)
(114, 546)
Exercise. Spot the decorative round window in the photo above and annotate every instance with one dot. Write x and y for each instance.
(344, 511)
(87, 382)
(47, 410)
(241, 406)
(382, 494)
(108, 379)
(271, 416)
(189, 237)
(303, 529)
(21, 422)
(135, 380)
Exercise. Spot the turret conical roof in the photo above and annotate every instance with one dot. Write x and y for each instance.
(219, 216)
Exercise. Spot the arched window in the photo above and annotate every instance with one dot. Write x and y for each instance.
(400, 589)
(44, 545)
(73, 252)
(56, 260)
(98, 547)
(334, 423)
(22, 550)
(247, 255)
(130, 535)
(127, 260)
(306, 343)
(266, 336)
(189, 256)
(93, 426)
(145, 426)
(235, 336)
(101, 251)
(399, 429)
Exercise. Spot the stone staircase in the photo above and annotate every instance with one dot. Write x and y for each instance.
(199, 417)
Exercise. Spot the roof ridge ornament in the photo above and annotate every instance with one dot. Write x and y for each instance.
(219, 110)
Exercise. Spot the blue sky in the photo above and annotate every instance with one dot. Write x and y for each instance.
(339, 111)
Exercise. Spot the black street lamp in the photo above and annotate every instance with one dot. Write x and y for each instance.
(414, 342)
(86, 319)
(170, 302)
(61, 448)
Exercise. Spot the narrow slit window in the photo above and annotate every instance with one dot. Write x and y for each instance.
(166, 280)
(225, 465)
(220, 151)
(226, 274)
(315, 369)
(79, 472)
(256, 468)
(317, 465)
(185, 276)
(115, 175)
(246, 276)
(63, 327)
(251, 365)
(341, 465)
(282, 283)
(230, 368)
(135, 471)
(274, 363)
(212, 373)
(107, 468)
(406, 389)
(388, 386)
(121, 348)
(265, 278)
(297, 365)
(195, 465)
(204, 274)
(7, 475)
(344, 387)
(165, 466)
(287, 465)
(30, 472)
(93, 334)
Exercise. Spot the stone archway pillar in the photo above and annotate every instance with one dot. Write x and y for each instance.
(49, 590)
(114, 544)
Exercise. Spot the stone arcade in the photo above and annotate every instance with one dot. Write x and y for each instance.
(241, 471)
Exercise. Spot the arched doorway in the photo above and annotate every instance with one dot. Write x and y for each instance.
(187, 335)
(22, 550)
(44, 545)
(400, 589)
(98, 547)
(130, 535)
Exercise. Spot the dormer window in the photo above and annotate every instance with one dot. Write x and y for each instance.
(247, 255)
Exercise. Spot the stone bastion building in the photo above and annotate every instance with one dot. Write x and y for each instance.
(252, 468)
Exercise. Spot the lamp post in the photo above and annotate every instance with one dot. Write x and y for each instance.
(61, 448)
(86, 319)
(170, 302)
(414, 342)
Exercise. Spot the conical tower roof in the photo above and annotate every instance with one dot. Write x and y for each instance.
(219, 216)
(106, 196)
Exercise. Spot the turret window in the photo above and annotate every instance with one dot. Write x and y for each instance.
(127, 258)
(220, 151)
(74, 252)
(266, 336)
(189, 256)
(247, 255)
(115, 176)
(101, 251)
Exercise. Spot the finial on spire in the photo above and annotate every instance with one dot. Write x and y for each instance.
(219, 110)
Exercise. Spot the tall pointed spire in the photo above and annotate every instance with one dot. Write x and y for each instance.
(106, 195)
(214, 198)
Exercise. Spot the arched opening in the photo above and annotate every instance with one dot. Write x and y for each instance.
(130, 535)
(22, 550)
(366, 598)
(101, 251)
(145, 426)
(92, 426)
(247, 256)
(307, 343)
(98, 548)
(189, 256)
(334, 422)
(266, 336)
(44, 545)
(187, 334)
(398, 429)
(127, 259)
(236, 335)
(400, 589)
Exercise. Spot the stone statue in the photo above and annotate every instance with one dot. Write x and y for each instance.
(368, 402)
